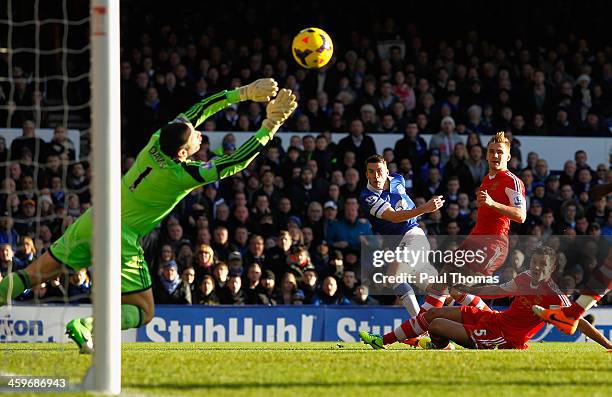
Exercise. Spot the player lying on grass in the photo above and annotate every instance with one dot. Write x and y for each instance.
(484, 329)
(391, 212)
(598, 285)
(162, 175)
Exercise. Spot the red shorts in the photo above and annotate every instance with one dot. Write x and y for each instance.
(481, 326)
(487, 253)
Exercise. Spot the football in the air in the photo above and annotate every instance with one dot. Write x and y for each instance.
(312, 48)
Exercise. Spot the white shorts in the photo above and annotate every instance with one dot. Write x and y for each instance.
(416, 250)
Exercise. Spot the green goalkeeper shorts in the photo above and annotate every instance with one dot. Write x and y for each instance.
(73, 249)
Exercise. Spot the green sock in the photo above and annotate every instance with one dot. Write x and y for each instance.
(15, 283)
(87, 322)
(131, 316)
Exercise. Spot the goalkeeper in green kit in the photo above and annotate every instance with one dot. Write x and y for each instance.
(161, 176)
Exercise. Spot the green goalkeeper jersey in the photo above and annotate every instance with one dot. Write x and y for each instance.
(156, 183)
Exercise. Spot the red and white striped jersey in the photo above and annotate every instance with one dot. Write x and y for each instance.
(504, 188)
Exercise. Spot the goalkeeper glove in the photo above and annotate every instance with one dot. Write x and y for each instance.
(279, 110)
(261, 90)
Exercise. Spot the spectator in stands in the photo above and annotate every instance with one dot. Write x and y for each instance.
(362, 145)
(477, 164)
(220, 274)
(412, 146)
(78, 181)
(28, 140)
(457, 167)
(165, 254)
(362, 296)
(569, 213)
(221, 244)
(289, 291)
(309, 285)
(241, 218)
(8, 262)
(276, 257)
(28, 189)
(8, 234)
(241, 238)
(188, 277)
(352, 186)
(597, 212)
(329, 294)
(61, 145)
(269, 189)
(446, 139)
(602, 173)
(205, 294)
(26, 251)
(386, 99)
(255, 252)
(348, 231)
(475, 123)
(349, 283)
(25, 220)
(169, 288)
(563, 125)
(79, 287)
(251, 284)
(541, 170)
(433, 184)
(234, 262)
(569, 173)
(305, 192)
(233, 293)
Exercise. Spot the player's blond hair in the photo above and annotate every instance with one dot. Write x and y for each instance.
(500, 137)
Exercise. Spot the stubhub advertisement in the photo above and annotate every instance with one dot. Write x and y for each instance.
(298, 324)
(241, 323)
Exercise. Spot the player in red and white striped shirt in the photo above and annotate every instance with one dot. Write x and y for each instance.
(500, 200)
(599, 284)
(511, 329)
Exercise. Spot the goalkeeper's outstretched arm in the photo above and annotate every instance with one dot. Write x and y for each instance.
(277, 111)
(261, 90)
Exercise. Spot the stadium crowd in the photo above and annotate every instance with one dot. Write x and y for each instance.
(288, 229)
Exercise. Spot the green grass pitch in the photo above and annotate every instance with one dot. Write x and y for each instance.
(331, 369)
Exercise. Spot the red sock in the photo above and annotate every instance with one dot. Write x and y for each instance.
(581, 305)
(472, 300)
(409, 329)
(389, 338)
(433, 300)
(574, 311)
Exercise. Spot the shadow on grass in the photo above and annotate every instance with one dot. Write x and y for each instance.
(385, 383)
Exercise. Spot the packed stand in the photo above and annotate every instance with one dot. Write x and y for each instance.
(288, 229)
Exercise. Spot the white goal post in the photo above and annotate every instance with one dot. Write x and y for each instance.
(105, 374)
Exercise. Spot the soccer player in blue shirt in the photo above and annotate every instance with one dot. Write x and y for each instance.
(392, 212)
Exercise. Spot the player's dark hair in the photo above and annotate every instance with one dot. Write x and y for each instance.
(375, 158)
(172, 137)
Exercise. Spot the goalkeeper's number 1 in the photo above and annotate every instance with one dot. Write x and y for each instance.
(140, 178)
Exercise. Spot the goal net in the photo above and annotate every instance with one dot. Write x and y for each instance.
(54, 136)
